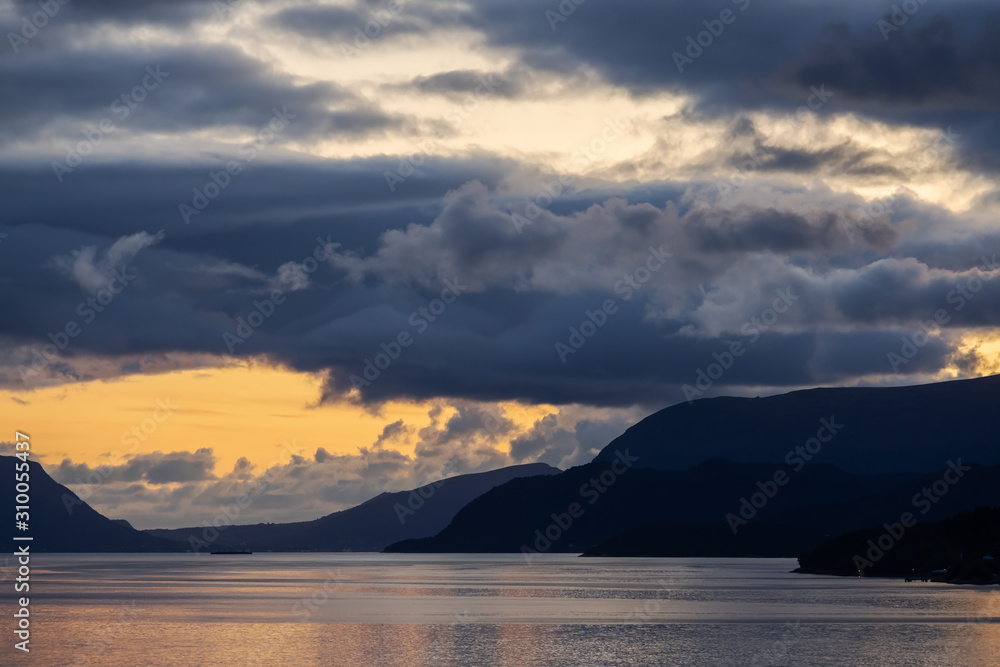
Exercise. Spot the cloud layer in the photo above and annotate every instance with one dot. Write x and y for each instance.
(497, 201)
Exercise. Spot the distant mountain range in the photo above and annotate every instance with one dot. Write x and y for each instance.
(370, 526)
(638, 514)
(60, 521)
(778, 476)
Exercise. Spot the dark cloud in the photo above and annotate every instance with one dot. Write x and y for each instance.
(934, 61)
(771, 230)
(170, 12)
(460, 84)
(357, 24)
(939, 69)
(173, 89)
(521, 293)
(320, 197)
(155, 468)
(941, 54)
(528, 284)
(844, 159)
(632, 44)
(557, 445)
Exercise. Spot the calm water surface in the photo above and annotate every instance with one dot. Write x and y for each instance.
(382, 609)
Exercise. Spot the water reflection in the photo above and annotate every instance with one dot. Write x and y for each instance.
(361, 609)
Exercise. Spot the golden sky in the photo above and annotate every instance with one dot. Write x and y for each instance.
(242, 410)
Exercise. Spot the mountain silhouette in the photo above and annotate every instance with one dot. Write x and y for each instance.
(682, 540)
(961, 549)
(887, 429)
(677, 483)
(790, 532)
(60, 522)
(536, 513)
(370, 526)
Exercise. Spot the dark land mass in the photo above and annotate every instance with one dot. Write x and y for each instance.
(58, 521)
(522, 512)
(370, 526)
(962, 549)
(674, 513)
(675, 484)
(679, 540)
(892, 429)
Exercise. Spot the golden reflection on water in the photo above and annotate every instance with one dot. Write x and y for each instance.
(361, 609)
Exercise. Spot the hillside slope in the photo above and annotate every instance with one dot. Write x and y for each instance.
(891, 429)
(370, 526)
(60, 522)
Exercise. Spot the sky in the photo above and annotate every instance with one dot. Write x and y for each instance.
(360, 246)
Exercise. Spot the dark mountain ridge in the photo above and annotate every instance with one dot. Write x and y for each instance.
(790, 532)
(912, 429)
(60, 522)
(522, 513)
(961, 549)
(370, 526)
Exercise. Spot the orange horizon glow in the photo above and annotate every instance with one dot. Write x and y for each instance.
(241, 410)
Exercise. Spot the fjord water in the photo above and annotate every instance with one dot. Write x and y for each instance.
(399, 609)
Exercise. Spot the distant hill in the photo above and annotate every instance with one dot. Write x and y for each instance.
(669, 485)
(679, 540)
(507, 518)
(370, 526)
(60, 522)
(965, 547)
(790, 532)
(892, 429)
